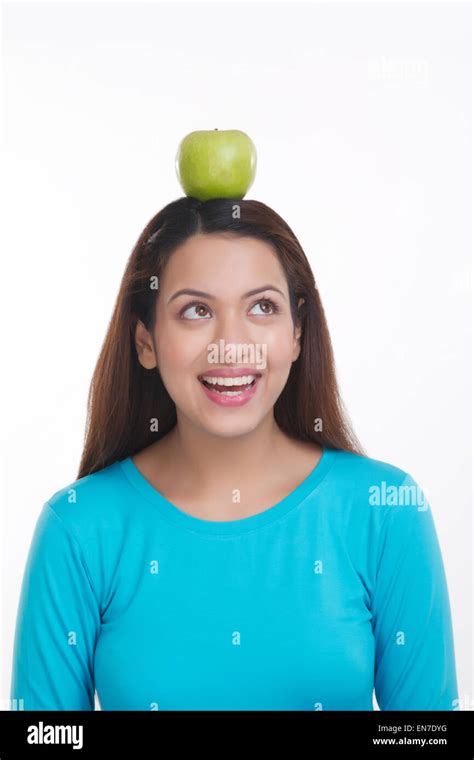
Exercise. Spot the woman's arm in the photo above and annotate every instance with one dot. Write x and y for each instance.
(414, 650)
(58, 622)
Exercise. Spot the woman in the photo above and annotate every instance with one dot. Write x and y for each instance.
(227, 544)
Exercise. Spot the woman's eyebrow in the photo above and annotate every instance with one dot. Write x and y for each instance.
(202, 294)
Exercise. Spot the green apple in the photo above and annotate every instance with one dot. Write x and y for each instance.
(216, 164)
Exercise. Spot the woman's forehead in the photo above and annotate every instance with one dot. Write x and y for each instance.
(222, 265)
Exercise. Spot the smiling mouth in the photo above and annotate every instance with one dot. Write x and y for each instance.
(229, 386)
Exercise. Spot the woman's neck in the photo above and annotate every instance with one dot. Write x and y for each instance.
(191, 464)
(205, 457)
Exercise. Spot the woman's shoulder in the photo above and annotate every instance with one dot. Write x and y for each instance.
(361, 468)
(364, 482)
(81, 529)
(376, 493)
(91, 504)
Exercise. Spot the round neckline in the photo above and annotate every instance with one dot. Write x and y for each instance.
(229, 527)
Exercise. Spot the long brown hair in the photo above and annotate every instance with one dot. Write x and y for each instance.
(124, 397)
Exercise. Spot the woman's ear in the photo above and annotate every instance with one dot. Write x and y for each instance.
(297, 334)
(144, 346)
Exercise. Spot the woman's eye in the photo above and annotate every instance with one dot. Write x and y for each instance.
(270, 306)
(194, 311)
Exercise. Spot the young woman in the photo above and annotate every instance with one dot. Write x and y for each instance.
(227, 544)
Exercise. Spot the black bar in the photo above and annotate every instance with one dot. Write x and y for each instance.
(324, 734)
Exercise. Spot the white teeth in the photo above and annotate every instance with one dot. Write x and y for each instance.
(244, 380)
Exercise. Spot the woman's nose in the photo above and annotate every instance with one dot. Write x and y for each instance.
(233, 327)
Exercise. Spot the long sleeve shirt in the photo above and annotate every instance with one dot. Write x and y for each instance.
(333, 595)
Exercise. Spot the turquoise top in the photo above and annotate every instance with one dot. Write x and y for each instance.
(335, 592)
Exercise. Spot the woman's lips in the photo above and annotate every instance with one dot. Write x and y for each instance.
(230, 372)
(230, 395)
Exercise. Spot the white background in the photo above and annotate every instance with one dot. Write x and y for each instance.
(361, 115)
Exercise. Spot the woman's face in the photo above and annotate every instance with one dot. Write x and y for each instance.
(224, 330)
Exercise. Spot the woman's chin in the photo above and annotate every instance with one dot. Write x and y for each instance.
(229, 428)
(225, 423)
